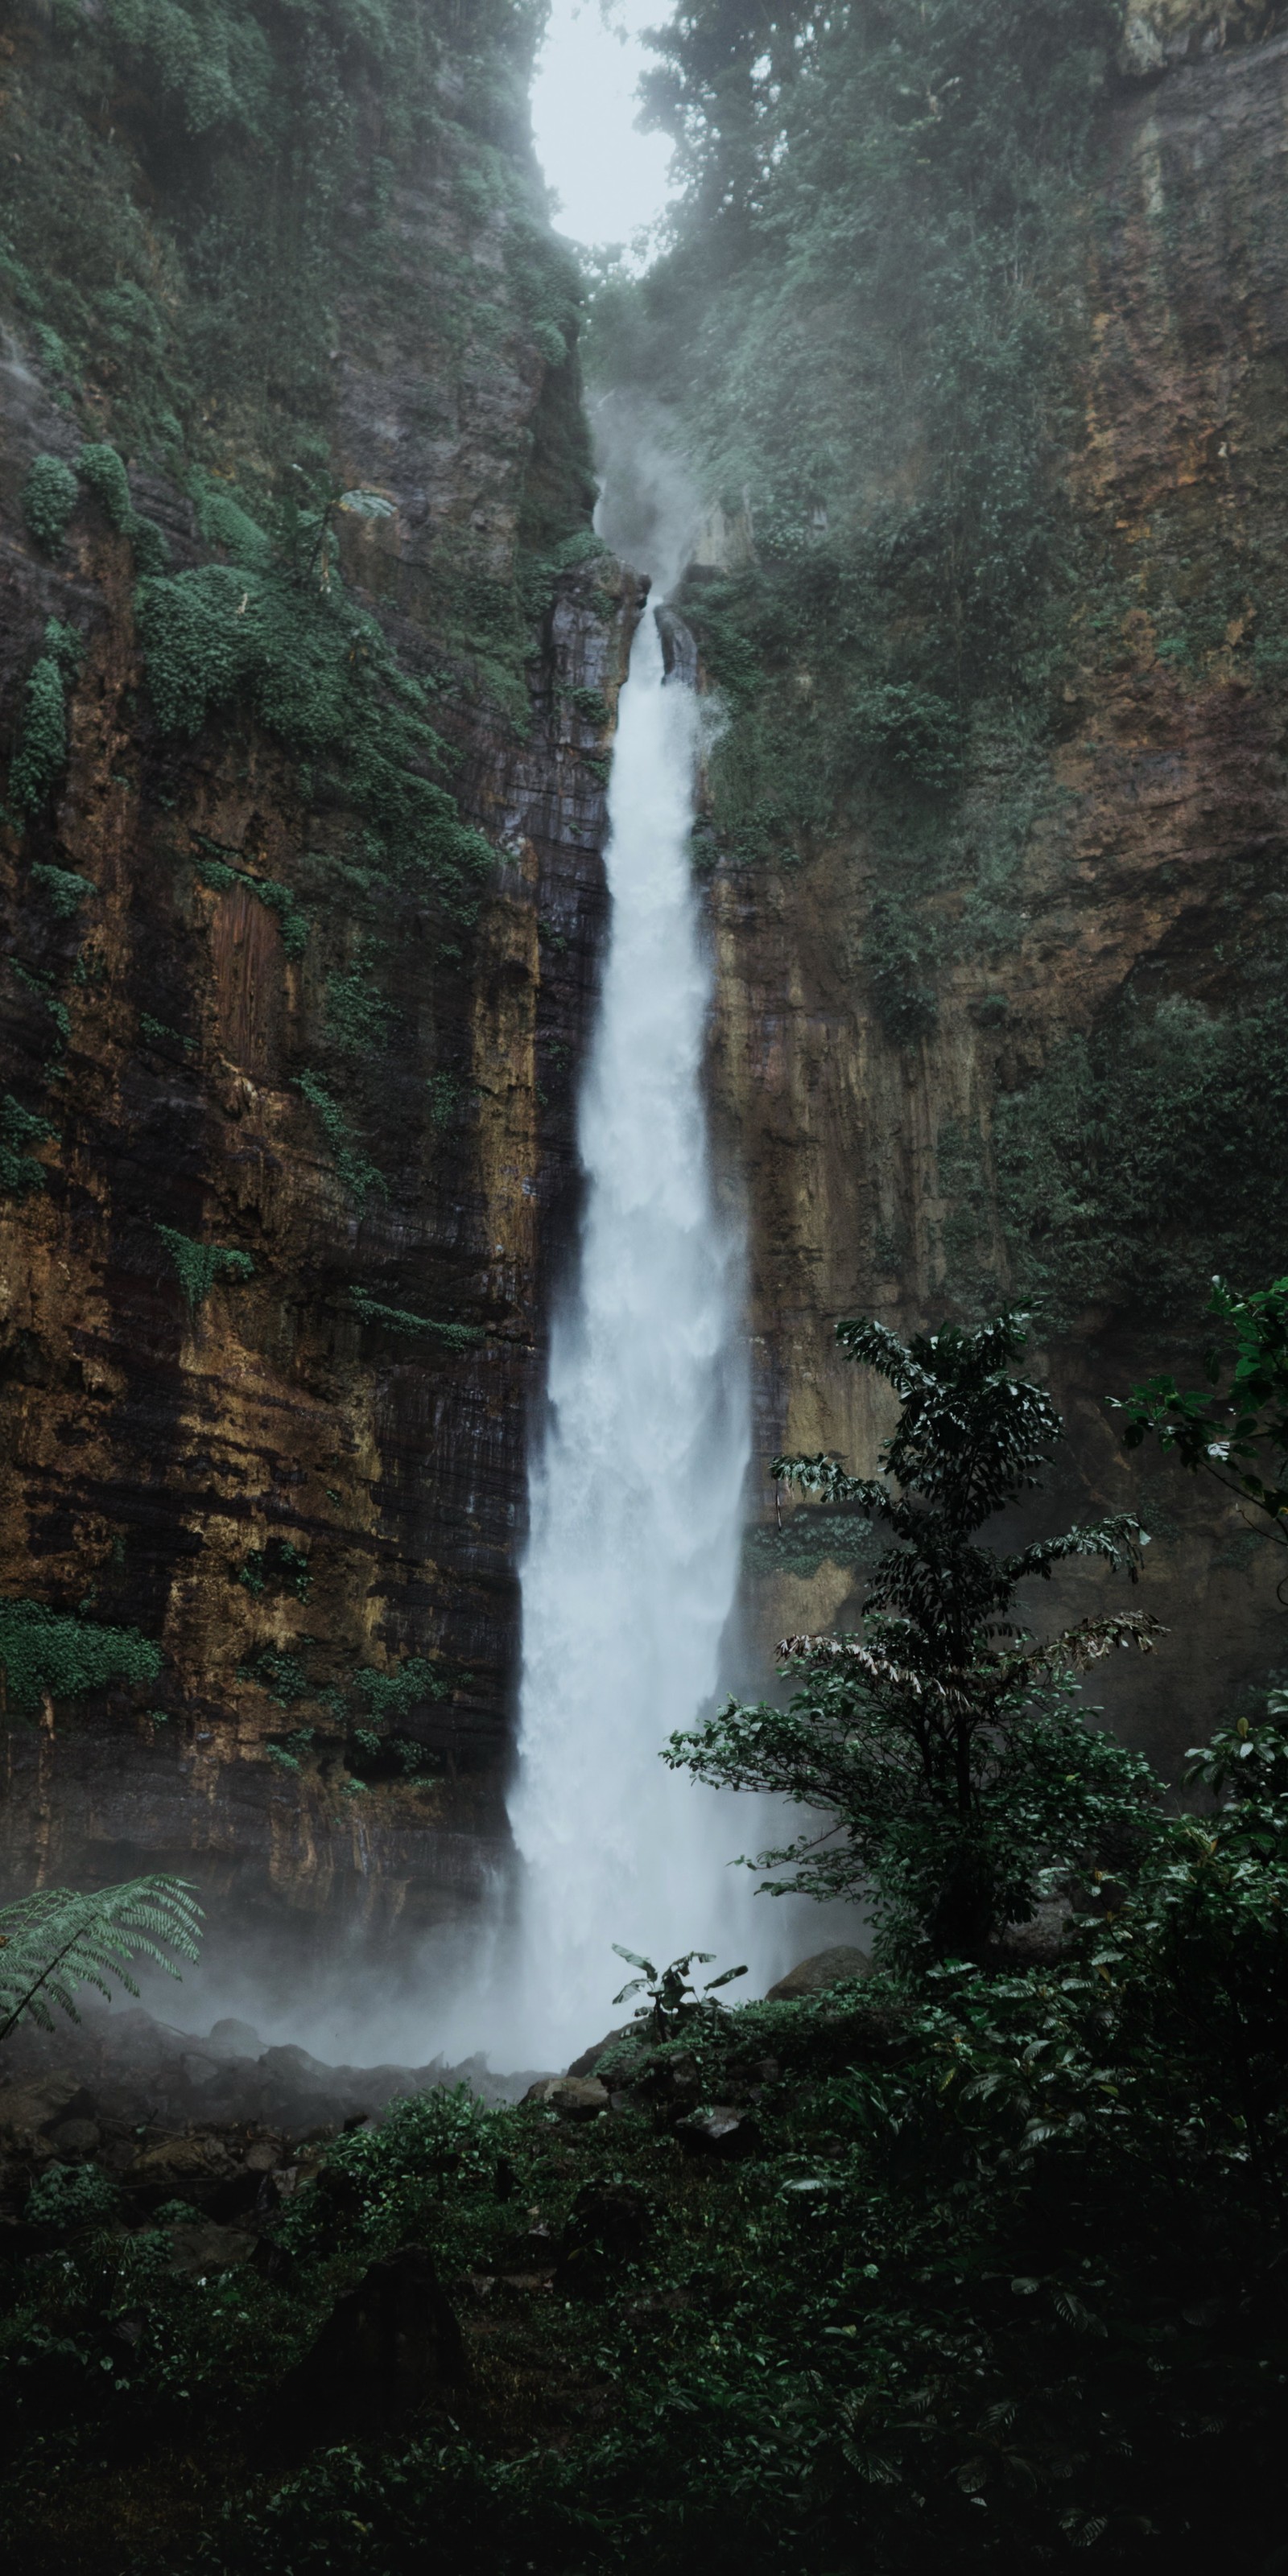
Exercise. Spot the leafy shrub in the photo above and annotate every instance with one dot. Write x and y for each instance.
(223, 522)
(360, 1178)
(199, 1265)
(19, 1171)
(41, 755)
(390, 1696)
(401, 1319)
(63, 890)
(52, 1650)
(319, 675)
(1145, 1158)
(103, 473)
(68, 2196)
(49, 496)
(283, 1676)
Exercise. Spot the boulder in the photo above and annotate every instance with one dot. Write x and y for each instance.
(232, 2038)
(590, 2057)
(575, 2097)
(608, 2225)
(74, 2140)
(390, 2348)
(725, 2130)
(26, 2109)
(812, 1976)
(198, 2245)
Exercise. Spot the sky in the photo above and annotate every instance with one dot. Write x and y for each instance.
(611, 182)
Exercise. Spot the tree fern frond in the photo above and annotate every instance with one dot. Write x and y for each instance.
(60, 1938)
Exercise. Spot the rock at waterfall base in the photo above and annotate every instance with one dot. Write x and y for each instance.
(812, 1976)
(390, 2348)
(725, 2130)
(575, 2097)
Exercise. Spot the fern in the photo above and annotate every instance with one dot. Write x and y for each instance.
(58, 1939)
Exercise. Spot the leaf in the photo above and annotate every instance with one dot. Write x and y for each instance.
(632, 1961)
(726, 1980)
(58, 1939)
(365, 505)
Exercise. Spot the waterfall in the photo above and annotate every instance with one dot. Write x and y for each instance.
(636, 1489)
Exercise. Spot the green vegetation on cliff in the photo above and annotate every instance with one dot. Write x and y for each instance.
(863, 325)
(220, 197)
(66, 1655)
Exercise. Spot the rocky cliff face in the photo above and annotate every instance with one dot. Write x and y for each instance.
(1075, 1098)
(302, 892)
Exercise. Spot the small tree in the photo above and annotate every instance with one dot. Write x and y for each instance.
(1236, 1426)
(940, 1740)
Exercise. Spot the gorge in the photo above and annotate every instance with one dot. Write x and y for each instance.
(642, 974)
(304, 934)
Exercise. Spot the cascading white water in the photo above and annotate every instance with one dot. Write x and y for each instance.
(631, 1566)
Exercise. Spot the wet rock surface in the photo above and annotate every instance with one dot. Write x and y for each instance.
(390, 2349)
(824, 1968)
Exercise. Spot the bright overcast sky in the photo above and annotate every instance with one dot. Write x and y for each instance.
(610, 181)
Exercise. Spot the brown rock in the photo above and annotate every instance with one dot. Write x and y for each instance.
(31, 2107)
(608, 2225)
(590, 2057)
(575, 2097)
(74, 2140)
(725, 2131)
(200, 2157)
(198, 2246)
(388, 2350)
(814, 1975)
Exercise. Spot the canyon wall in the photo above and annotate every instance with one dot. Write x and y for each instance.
(301, 910)
(1064, 1089)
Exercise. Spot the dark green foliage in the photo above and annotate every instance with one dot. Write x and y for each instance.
(49, 496)
(19, 1171)
(806, 1539)
(63, 890)
(318, 674)
(1236, 1431)
(359, 1177)
(199, 1265)
(997, 2279)
(866, 327)
(675, 2009)
(41, 755)
(358, 1018)
(899, 952)
(57, 1940)
(286, 1686)
(445, 1096)
(44, 1650)
(278, 1568)
(390, 1698)
(400, 1319)
(940, 1741)
(1146, 1158)
(65, 2197)
(103, 473)
(282, 1675)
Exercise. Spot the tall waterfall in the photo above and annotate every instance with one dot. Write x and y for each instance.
(636, 1492)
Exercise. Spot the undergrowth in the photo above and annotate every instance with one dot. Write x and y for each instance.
(66, 1655)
